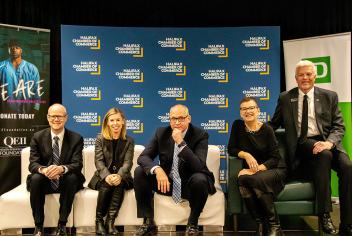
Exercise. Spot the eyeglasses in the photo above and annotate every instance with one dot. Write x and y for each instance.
(251, 108)
(54, 117)
(179, 119)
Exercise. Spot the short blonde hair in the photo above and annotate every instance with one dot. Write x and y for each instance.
(105, 130)
(305, 63)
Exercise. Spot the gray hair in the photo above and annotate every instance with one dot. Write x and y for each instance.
(304, 63)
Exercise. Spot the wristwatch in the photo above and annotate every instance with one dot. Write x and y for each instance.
(183, 143)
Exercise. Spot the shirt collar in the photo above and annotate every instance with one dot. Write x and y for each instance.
(310, 94)
(60, 135)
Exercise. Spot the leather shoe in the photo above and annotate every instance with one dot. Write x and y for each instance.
(345, 230)
(61, 230)
(38, 231)
(148, 228)
(192, 230)
(326, 224)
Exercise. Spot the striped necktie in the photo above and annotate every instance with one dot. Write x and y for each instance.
(56, 161)
(176, 186)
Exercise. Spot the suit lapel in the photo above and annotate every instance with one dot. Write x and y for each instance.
(294, 104)
(318, 108)
(108, 150)
(49, 147)
(65, 147)
(171, 146)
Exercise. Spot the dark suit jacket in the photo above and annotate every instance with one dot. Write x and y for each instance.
(41, 153)
(104, 158)
(192, 158)
(327, 114)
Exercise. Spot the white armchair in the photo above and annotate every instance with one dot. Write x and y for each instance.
(15, 208)
(85, 202)
(169, 214)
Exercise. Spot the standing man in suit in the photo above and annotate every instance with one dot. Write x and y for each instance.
(314, 131)
(55, 166)
(181, 173)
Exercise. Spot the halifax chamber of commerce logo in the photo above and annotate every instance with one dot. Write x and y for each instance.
(323, 69)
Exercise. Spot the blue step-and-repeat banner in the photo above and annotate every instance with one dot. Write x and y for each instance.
(144, 71)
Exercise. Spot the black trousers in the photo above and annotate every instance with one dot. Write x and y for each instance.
(40, 186)
(317, 167)
(195, 190)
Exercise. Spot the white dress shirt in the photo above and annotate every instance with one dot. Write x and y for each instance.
(312, 123)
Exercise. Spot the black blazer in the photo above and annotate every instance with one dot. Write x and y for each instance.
(327, 114)
(192, 157)
(103, 161)
(41, 153)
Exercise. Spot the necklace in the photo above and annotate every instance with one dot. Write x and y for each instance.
(252, 131)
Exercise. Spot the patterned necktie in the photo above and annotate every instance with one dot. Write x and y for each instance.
(304, 123)
(176, 186)
(56, 161)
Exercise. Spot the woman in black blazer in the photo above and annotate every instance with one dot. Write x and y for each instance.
(113, 159)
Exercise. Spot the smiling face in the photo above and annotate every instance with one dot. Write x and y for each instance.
(57, 117)
(305, 78)
(249, 111)
(115, 124)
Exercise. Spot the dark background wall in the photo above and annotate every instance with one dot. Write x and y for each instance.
(297, 19)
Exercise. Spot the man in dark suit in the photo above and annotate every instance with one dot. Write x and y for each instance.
(182, 172)
(55, 166)
(314, 131)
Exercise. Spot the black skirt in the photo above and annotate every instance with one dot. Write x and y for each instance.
(268, 181)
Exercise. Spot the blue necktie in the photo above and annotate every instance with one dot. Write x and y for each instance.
(56, 161)
(176, 186)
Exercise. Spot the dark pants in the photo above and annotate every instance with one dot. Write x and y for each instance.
(195, 190)
(40, 186)
(318, 169)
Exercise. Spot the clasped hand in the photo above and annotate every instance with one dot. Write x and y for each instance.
(321, 146)
(113, 179)
(251, 162)
(53, 171)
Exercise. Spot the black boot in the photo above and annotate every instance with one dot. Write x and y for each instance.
(115, 204)
(102, 205)
(253, 210)
(266, 201)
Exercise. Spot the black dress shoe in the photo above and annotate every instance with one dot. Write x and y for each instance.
(61, 230)
(327, 225)
(345, 230)
(146, 229)
(192, 230)
(38, 231)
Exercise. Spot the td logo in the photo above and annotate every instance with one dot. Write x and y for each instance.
(323, 69)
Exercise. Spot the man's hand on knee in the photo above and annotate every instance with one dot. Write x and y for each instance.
(162, 179)
(321, 146)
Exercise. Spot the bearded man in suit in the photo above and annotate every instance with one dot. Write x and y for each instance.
(55, 166)
(314, 130)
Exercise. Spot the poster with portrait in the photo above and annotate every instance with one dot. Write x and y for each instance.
(24, 94)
